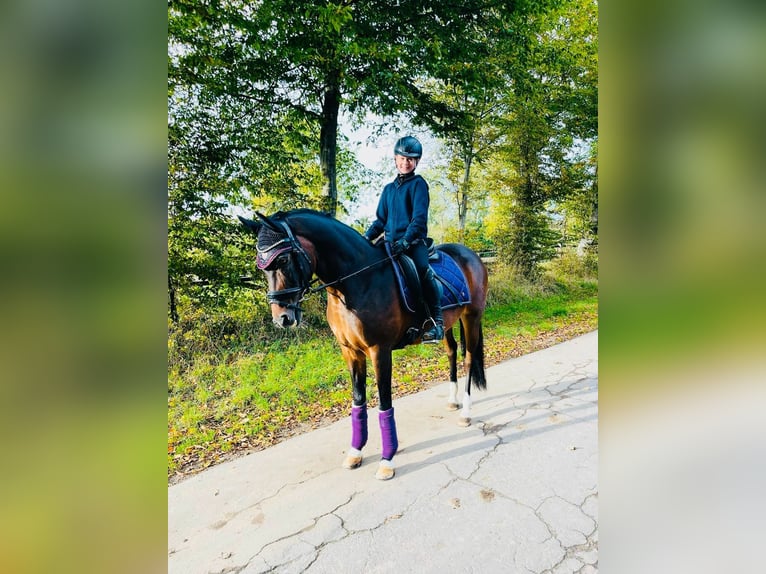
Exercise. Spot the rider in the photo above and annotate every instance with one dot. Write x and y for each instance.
(403, 215)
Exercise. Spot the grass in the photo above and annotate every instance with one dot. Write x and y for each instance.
(228, 401)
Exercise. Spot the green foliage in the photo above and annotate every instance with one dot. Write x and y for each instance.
(508, 285)
(475, 237)
(292, 65)
(540, 178)
(520, 227)
(239, 320)
(528, 314)
(569, 265)
(580, 207)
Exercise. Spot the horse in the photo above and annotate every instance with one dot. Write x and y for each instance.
(365, 310)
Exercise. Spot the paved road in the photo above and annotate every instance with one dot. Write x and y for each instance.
(515, 492)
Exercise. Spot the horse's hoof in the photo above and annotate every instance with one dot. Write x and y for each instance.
(464, 422)
(352, 462)
(452, 406)
(353, 459)
(385, 471)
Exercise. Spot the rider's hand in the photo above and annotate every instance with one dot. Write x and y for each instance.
(400, 247)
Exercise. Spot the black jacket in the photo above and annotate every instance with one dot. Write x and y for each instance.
(402, 210)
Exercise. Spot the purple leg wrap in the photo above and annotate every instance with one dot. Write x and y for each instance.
(388, 433)
(358, 426)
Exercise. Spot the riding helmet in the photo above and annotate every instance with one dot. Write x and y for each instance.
(408, 146)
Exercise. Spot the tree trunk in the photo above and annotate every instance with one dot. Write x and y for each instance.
(328, 144)
(594, 213)
(462, 205)
(523, 240)
(172, 297)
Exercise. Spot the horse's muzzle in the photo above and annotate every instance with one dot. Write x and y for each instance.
(284, 318)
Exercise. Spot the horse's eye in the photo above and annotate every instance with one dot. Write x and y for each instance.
(282, 260)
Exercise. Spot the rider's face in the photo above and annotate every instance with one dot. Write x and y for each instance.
(405, 165)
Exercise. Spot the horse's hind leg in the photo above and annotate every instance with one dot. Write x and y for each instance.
(357, 364)
(473, 344)
(451, 345)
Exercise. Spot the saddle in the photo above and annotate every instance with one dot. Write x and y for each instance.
(452, 279)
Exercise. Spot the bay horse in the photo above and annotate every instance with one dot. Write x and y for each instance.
(365, 310)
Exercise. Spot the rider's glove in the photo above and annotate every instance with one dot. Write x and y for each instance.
(400, 247)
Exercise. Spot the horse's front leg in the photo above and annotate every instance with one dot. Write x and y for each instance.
(357, 364)
(381, 358)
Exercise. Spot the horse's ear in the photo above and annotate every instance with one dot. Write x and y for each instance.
(268, 222)
(253, 226)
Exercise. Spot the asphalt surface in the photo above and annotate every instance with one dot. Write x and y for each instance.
(515, 492)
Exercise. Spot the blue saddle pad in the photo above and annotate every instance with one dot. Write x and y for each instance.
(454, 285)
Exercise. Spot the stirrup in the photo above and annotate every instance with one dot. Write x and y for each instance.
(434, 334)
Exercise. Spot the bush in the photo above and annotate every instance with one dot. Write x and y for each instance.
(509, 285)
(569, 266)
(239, 324)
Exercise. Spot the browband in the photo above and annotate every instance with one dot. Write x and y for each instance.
(267, 256)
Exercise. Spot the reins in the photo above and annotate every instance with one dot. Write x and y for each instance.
(318, 288)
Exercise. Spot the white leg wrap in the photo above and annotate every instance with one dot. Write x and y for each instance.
(466, 412)
(354, 452)
(387, 463)
(452, 393)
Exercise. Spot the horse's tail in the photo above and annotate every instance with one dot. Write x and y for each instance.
(477, 374)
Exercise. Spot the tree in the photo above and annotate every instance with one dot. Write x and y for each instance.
(311, 58)
(553, 101)
(472, 143)
(470, 86)
(204, 245)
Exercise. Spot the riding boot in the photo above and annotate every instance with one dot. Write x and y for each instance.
(432, 294)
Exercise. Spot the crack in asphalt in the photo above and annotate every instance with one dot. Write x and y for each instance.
(316, 551)
(315, 521)
(396, 516)
(232, 515)
(572, 551)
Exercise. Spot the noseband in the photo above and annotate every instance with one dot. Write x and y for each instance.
(266, 257)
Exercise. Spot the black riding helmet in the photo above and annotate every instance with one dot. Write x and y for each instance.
(408, 146)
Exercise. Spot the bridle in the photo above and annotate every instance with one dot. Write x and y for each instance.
(289, 245)
(266, 257)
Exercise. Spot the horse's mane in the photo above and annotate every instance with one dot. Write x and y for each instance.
(321, 216)
(300, 211)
